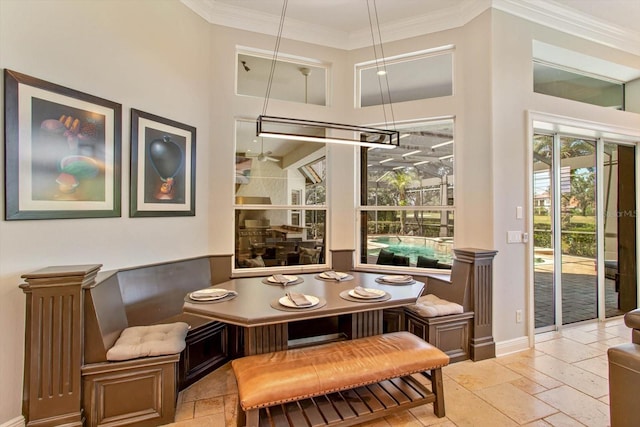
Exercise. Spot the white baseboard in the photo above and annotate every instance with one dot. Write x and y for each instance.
(512, 346)
(16, 422)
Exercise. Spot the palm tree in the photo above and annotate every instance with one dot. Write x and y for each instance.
(400, 180)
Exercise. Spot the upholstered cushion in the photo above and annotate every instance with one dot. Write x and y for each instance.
(432, 306)
(401, 260)
(385, 257)
(154, 340)
(426, 262)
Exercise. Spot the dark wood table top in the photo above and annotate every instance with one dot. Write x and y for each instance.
(252, 306)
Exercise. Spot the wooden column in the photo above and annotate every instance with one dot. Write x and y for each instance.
(481, 261)
(53, 344)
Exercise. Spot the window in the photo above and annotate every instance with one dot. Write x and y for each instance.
(280, 206)
(407, 207)
(554, 80)
(294, 79)
(421, 75)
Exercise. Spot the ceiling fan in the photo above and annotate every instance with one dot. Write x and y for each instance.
(265, 156)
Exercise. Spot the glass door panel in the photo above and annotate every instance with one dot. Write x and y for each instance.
(579, 279)
(544, 299)
(619, 229)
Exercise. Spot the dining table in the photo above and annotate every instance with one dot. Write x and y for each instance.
(265, 315)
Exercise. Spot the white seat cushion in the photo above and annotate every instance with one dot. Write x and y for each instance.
(154, 340)
(432, 306)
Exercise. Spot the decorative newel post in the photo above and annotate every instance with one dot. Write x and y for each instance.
(53, 344)
(481, 260)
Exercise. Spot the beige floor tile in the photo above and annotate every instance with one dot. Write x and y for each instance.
(210, 406)
(424, 414)
(184, 411)
(562, 420)
(528, 386)
(528, 371)
(537, 423)
(586, 382)
(596, 365)
(519, 356)
(231, 408)
(577, 405)
(404, 418)
(515, 403)
(218, 383)
(478, 375)
(547, 336)
(604, 345)
(471, 411)
(210, 421)
(586, 337)
(567, 350)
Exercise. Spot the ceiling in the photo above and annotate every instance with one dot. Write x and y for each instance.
(345, 23)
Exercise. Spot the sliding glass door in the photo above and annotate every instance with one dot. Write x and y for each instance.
(584, 245)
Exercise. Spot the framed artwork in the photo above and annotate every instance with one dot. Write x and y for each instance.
(163, 166)
(62, 151)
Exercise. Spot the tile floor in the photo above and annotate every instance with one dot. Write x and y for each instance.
(562, 382)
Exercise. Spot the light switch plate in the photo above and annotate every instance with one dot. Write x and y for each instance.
(514, 236)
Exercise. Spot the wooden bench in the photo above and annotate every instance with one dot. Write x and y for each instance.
(340, 383)
(143, 391)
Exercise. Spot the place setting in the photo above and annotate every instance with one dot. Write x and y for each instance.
(361, 294)
(296, 301)
(396, 279)
(282, 280)
(210, 295)
(334, 276)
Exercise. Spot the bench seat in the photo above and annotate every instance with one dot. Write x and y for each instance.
(387, 361)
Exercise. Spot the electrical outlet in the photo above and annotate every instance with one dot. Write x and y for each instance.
(518, 316)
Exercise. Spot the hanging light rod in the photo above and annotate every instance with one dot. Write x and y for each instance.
(315, 131)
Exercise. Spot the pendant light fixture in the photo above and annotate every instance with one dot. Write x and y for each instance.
(319, 131)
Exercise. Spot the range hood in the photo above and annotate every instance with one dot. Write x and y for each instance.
(253, 200)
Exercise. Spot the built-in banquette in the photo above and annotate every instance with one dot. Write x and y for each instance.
(75, 314)
(464, 335)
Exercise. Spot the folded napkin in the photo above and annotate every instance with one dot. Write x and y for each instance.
(365, 293)
(211, 293)
(280, 278)
(298, 299)
(397, 279)
(333, 275)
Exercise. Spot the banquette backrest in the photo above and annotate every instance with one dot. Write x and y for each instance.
(144, 295)
(156, 292)
(455, 288)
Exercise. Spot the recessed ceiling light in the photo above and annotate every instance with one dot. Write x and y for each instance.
(442, 144)
(381, 72)
(411, 153)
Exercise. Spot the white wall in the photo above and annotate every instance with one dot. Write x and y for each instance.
(145, 54)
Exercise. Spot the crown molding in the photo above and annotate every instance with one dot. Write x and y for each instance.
(553, 15)
(548, 13)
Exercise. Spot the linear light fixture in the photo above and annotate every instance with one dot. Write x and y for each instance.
(421, 163)
(386, 160)
(450, 156)
(442, 144)
(315, 131)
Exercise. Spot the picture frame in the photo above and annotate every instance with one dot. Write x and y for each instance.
(163, 167)
(62, 151)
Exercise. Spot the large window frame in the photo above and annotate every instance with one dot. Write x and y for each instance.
(278, 188)
(438, 242)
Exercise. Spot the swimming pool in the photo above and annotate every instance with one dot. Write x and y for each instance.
(411, 246)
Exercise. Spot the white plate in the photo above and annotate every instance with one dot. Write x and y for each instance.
(326, 276)
(397, 278)
(379, 293)
(289, 278)
(288, 303)
(210, 294)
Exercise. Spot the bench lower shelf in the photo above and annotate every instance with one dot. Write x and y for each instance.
(350, 407)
